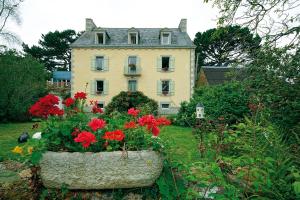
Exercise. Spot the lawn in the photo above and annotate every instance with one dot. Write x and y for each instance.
(9, 134)
(183, 145)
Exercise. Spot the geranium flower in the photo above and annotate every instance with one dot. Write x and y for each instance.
(151, 123)
(75, 132)
(68, 102)
(163, 121)
(117, 135)
(133, 112)
(18, 150)
(46, 106)
(80, 95)
(96, 124)
(129, 125)
(155, 131)
(96, 109)
(85, 138)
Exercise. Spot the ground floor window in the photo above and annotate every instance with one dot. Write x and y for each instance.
(165, 105)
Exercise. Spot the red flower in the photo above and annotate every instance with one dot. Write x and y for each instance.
(75, 132)
(155, 130)
(133, 112)
(131, 124)
(80, 95)
(46, 106)
(117, 135)
(163, 121)
(68, 102)
(85, 138)
(96, 124)
(151, 123)
(96, 109)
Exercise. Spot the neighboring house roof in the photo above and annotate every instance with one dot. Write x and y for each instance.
(219, 75)
(148, 37)
(62, 75)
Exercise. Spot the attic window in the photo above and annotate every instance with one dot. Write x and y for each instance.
(166, 38)
(133, 38)
(100, 38)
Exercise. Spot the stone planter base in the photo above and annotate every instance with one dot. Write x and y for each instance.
(104, 170)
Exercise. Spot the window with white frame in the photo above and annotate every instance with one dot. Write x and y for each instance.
(165, 63)
(99, 63)
(100, 38)
(165, 85)
(132, 85)
(132, 64)
(133, 38)
(166, 38)
(164, 105)
(99, 87)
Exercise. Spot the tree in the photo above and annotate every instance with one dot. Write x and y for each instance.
(9, 10)
(22, 83)
(272, 19)
(226, 45)
(54, 49)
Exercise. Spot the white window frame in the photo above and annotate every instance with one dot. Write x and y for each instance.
(161, 107)
(169, 38)
(96, 89)
(136, 37)
(103, 63)
(136, 85)
(96, 37)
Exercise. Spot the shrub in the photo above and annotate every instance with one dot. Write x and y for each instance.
(23, 81)
(229, 101)
(125, 100)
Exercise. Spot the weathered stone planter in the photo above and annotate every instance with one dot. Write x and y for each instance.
(104, 170)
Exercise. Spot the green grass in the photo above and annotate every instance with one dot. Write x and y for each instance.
(183, 145)
(9, 134)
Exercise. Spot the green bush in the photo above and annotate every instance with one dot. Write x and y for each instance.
(23, 81)
(125, 100)
(229, 101)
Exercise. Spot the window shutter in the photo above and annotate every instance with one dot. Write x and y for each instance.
(106, 64)
(105, 87)
(158, 66)
(138, 61)
(126, 66)
(172, 64)
(93, 87)
(159, 88)
(172, 87)
(93, 63)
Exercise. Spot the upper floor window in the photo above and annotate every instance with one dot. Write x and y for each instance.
(100, 38)
(166, 63)
(166, 38)
(133, 38)
(165, 87)
(99, 63)
(132, 85)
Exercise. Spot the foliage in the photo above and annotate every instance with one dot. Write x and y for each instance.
(125, 100)
(226, 45)
(54, 49)
(273, 80)
(274, 19)
(9, 10)
(229, 101)
(23, 81)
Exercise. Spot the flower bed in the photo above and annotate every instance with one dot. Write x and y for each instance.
(129, 145)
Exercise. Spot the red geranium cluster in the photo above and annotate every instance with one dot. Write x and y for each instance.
(152, 124)
(162, 121)
(133, 112)
(80, 95)
(130, 124)
(46, 106)
(96, 124)
(95, 109)
(69, 101)
(85, 138)
(117, 135)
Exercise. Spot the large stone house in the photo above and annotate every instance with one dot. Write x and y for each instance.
(160, 62)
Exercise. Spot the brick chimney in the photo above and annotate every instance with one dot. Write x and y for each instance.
(183, 25)
(89, 24)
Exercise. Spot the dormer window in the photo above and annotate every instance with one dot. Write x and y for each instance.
(133, 36)
(100, 38)
(165, 38)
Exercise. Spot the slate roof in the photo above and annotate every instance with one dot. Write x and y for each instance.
(219, 75)
(148, 37)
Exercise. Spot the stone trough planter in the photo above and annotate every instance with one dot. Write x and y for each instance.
(103, 170)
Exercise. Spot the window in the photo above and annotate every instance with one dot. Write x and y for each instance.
(166, 39)
(165, 63)
(132, 61)
(99, 63)
(165, 85)
(99, 87)
(132, 38)
(165, 105)
(100, 104)
(100, 38)
(132, 85)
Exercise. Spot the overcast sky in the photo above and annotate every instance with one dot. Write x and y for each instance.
(42, 16)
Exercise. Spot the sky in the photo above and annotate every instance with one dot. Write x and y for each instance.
(41, 16)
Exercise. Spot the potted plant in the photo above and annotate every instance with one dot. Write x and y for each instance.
(95, 151)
